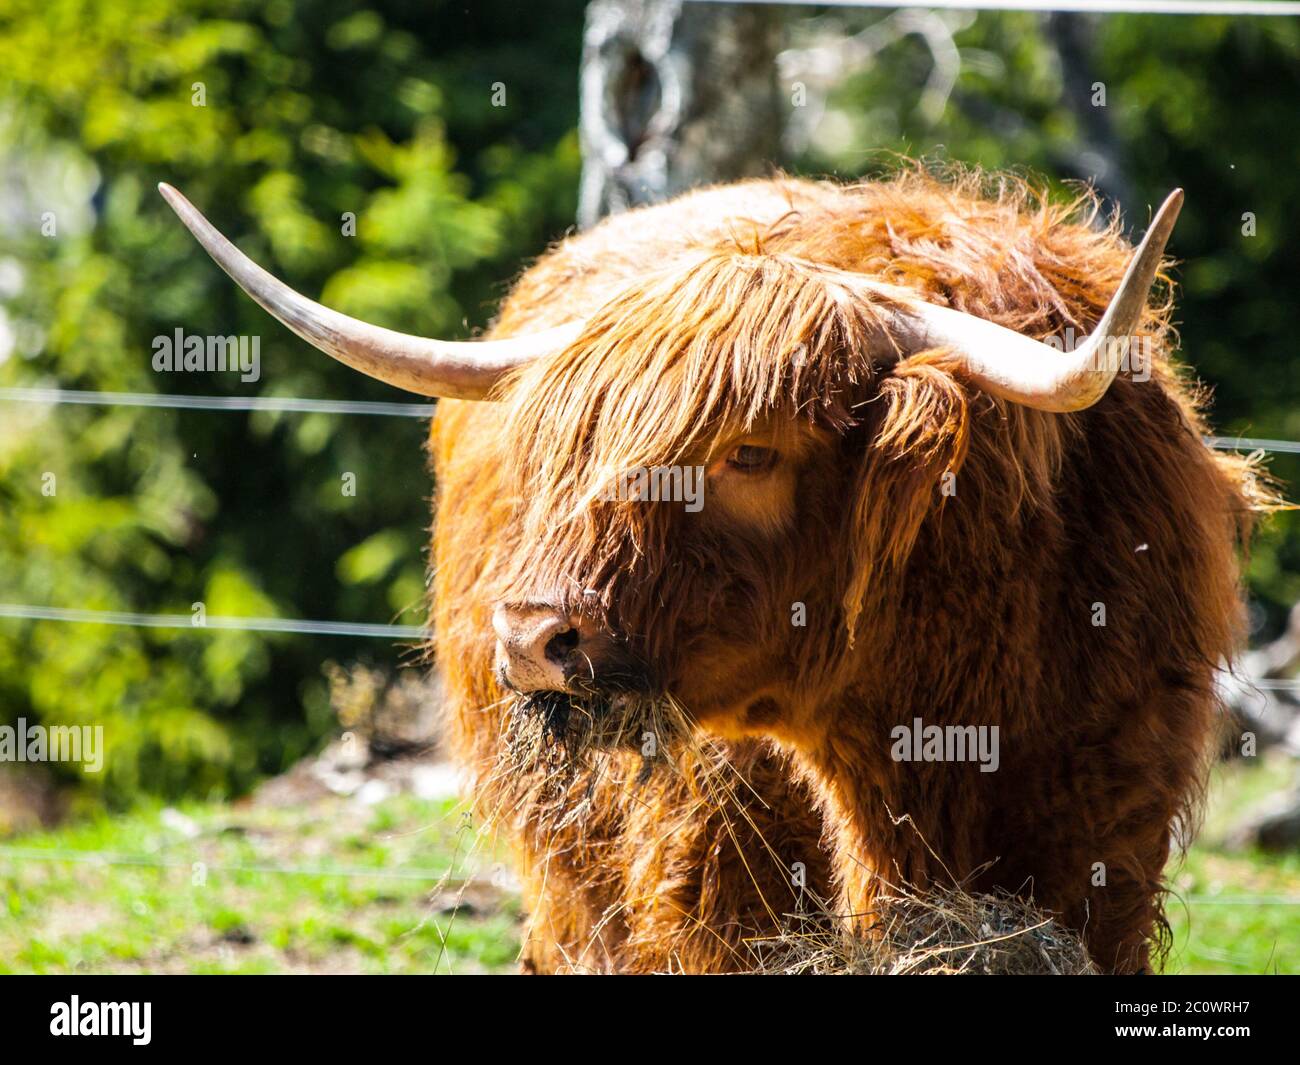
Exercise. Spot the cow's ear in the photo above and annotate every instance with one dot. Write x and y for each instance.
(916, 431)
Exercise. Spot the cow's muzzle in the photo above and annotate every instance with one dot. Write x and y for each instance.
(536, 646)
(542, 647)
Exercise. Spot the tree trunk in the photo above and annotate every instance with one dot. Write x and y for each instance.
(1098, 154)
(674, 96)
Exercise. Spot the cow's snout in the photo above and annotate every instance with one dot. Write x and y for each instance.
(538, 647)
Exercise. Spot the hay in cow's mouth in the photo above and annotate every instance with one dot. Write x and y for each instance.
(559, 732)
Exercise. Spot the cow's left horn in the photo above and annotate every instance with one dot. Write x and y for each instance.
(1025, 371)
(453, 370)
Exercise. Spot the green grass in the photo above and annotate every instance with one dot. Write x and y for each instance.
(240, 890)
(1212, 934)
(126, 895)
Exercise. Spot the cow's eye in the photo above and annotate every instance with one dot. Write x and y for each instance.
(750, 459)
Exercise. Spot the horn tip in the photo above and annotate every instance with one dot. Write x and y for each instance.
(1173, 202)
(1162, 222)
(171, 194)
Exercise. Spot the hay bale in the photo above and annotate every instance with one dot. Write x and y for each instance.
(940, 932)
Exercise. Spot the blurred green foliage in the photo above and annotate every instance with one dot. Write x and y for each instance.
(279, 118)
(310, 109)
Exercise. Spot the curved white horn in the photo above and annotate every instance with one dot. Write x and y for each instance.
(452, 370)
(1022, 370)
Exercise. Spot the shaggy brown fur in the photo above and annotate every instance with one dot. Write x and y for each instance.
(723, 317)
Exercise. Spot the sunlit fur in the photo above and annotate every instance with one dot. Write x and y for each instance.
(723, 314)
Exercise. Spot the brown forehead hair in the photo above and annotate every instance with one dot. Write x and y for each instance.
(755, 324)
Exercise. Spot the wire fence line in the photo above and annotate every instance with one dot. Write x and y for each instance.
(289, 404)
(146, 861)
(108, 858)
(299, 626)
(26, 611)
(1273, 685)
(1246, 443)
(301, 405)
(1252, 8)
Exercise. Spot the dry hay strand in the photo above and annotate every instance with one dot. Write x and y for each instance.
(943, 931)
(556, 735)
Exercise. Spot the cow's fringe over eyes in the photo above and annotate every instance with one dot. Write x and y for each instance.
(720, 342)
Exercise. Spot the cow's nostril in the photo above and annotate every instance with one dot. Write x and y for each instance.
(561, 645)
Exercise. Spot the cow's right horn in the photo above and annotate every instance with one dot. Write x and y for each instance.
(1023, 370)
(450, 369)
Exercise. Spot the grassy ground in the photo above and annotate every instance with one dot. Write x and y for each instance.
(222, 889)
(1212, 933)
(241, 889)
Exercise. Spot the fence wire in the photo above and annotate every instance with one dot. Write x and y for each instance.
(298, 626)
(302, 405)
(147, 861)
(289, 404)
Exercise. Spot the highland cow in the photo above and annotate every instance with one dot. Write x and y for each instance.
(920, 505)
